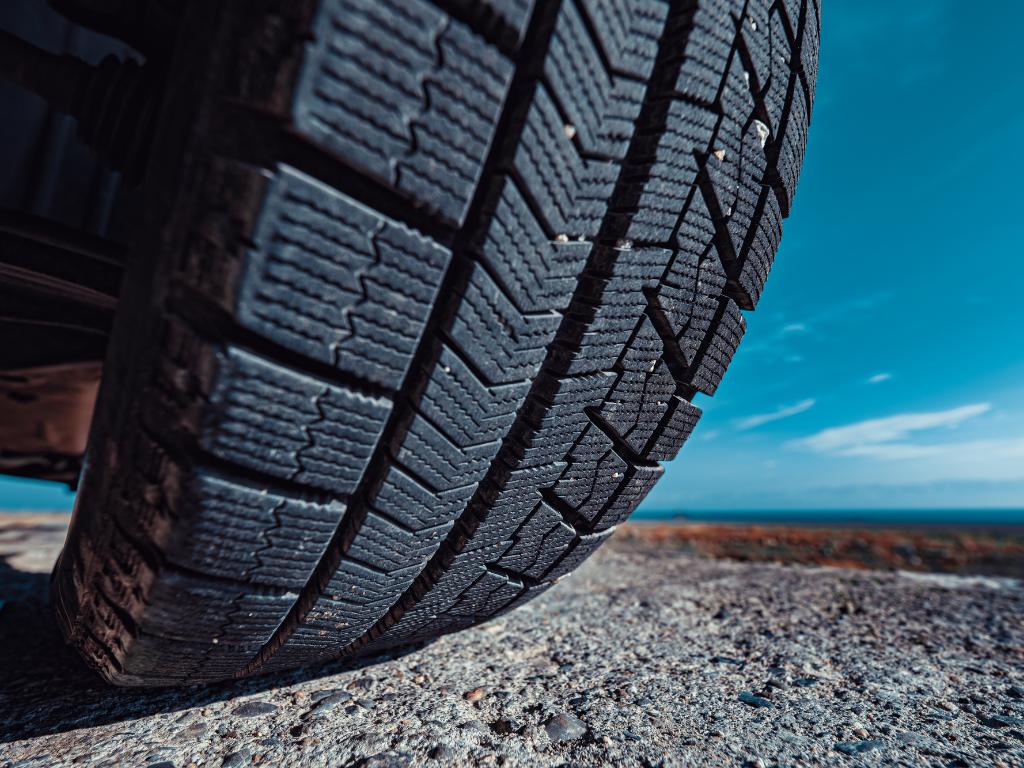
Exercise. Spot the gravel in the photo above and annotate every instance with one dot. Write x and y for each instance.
(646, 657)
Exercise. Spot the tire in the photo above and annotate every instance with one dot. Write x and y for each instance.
(424, 299)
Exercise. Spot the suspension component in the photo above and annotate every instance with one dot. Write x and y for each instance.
(115, 102)
(149, 26)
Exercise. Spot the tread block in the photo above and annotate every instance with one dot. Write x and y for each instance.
(329, 626)
(572, 192)
(635, 487)
(190, 609)
(201, 629)
(708, 49)
(491, 592)
(390, 548)
(593, 475)
(628, 32)
(504, 344)
(441, 462)
(467, 567)
(242, 533)
(274, 420)
(537, 273)
(539, 541)
(337, 281)
(562, 418)
(404, 499)
(675, 430)
(470, 410)
(356, 584)
(687, 300)
(638, 402)
(405, 93)
(601, 107)
(586, 545)
(650, 211)
(607, 329)
(719, 352)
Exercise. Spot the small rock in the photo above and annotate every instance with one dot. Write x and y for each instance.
(726, 660)
(385, 760)
(237, 759)
(1000, 721)
(364, 683)
(753, 700)
(564, 727)
(317, 696)
(1015, 691)
(916, 740)
(443, 753)
(327, 703)
(475, 695)
(805, 682)
(762, 132)
(254, 708)
(857, 747)
(506, 726)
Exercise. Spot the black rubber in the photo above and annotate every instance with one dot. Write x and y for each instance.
(427, 295)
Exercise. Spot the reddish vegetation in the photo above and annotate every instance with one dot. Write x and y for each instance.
(948, 550)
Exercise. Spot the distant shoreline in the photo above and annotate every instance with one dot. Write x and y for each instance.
(844, 518)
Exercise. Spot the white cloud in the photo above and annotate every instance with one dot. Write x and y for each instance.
(878, 378)
(751, 422)
(875, 437)
(794, 328)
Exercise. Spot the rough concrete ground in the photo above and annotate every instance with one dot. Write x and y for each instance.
(645, 657)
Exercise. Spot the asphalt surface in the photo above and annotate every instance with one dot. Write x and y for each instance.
(645, 657)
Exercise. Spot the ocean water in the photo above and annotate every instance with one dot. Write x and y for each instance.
(873, 517)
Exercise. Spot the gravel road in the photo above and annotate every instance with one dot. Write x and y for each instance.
(645, 657)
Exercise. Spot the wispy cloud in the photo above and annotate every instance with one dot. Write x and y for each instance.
(783, 412)
(794, 328)
(878, 378)
(882, 438)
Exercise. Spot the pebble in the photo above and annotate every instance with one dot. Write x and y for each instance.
(916, 740)
(1000, 721)
(443, 753)
(564, 727)
(327, 703)
(726, 660)
(507, 726)
(237, 759)
(753, 700)
(254, 708)
(475, 695)
(385, 760)
(857, 747)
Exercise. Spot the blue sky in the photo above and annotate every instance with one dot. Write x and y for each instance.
(883, 367)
